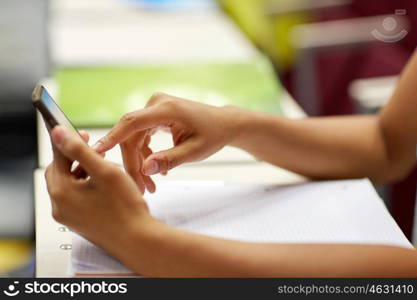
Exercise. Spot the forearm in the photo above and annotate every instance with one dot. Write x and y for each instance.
(320, 148)
(169, 252)
(382, 147)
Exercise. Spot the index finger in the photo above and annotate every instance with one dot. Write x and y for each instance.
(131, 123)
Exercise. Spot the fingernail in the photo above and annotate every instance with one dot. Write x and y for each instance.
(151, 168)
(58, 135)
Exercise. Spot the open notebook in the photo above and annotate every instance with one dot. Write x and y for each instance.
(318, 212)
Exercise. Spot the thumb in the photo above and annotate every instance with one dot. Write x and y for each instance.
(162, 162)
(75, 149)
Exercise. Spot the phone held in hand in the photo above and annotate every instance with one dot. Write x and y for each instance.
(51, 112)
(54, 116)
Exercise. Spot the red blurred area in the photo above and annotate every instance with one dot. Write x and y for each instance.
(336, 70)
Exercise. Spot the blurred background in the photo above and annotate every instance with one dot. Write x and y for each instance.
(333, 56)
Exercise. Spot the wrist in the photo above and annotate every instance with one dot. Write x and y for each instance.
(144, 245)
(237, 121)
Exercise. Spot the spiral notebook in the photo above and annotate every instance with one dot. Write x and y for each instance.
(318, 212)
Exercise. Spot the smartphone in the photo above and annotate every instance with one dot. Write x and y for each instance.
(51, 112)
(54, 116)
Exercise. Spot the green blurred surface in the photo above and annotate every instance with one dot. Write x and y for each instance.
(99, 96)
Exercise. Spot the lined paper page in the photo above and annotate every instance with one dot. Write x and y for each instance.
(89, 259)
(319, 212)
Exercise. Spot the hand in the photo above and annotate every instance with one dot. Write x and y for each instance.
(103, 207)
(198, 131)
